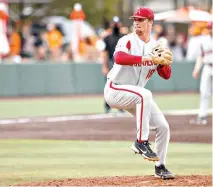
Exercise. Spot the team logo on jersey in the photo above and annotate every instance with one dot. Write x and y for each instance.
(146, 63)
(151, 71)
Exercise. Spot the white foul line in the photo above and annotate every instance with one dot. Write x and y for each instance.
(88, 117)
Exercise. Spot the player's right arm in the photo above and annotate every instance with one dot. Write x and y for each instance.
(122, 56)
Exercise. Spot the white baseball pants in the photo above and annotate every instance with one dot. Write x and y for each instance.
(205, 90)
(138, 101)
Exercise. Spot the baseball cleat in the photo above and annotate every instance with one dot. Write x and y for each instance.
(144, 150)
(198, 121)
(163, 173)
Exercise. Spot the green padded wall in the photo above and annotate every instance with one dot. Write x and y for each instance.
(9, 80)
(31, 79)
(88, 78)
(181, 79)
(60, 79)
(69, 78)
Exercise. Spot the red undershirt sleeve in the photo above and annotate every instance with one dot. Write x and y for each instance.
(123, 58)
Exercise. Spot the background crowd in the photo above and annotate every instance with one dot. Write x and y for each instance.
(47, 39)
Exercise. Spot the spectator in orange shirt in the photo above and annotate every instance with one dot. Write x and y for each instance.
(15, 45)
(54, 41)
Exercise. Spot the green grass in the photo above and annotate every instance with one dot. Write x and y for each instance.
(67, 106)
(40, 160)
(50, 106)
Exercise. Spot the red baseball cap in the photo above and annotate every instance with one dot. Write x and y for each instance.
(143, 12)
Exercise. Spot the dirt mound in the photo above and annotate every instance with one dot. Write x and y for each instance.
(192, 180)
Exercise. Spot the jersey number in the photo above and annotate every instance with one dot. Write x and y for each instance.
(151, 71)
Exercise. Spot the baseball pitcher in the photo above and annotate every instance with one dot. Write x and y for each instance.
(137, 56)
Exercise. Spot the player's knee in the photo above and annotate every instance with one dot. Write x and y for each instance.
(147, 95)
(108, 99)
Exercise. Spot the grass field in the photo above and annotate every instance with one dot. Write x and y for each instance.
(66, 106)
(30, 160)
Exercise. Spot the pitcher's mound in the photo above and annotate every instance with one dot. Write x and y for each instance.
(192, 180)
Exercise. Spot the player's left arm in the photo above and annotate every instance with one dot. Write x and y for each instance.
(199, 61)
(164, 71)
(198, 66)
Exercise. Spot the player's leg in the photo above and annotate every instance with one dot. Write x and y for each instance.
(205, 91)
(136, 145)
(127, 97)
(205, 96)
(106, 106)
(159, 124)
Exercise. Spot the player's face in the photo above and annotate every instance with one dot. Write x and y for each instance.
(142, 25)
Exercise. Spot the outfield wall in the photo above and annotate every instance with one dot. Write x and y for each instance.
(62, 79)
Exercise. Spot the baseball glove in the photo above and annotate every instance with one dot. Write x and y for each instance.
(161, 55)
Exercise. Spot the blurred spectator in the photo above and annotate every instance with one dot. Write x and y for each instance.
(100, 46)
(28, 41)
(15, 44)
(171, 33)
(106, 23)
(91, 53)
(181, 41)
(170, 39)
(67, 54)
(124, 30)
(54, 41)
(107, 28)
(159, 34)
(40, 47)
(51, 44)
(177, 48)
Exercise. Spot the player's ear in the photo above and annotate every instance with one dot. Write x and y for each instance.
(151, 21)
